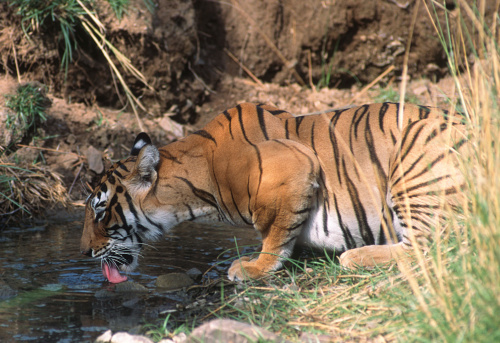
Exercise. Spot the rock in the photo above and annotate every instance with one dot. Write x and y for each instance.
(173, 281)
(94, 158)
(105, 294)
(6, 292)
(121, 337)
(307, 337)
(228, 330)
(130, 287)
(194, 273)
(105, 337)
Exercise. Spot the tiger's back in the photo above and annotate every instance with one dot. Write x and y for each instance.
(342, 180)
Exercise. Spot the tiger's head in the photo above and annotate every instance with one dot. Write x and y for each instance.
(115, 225)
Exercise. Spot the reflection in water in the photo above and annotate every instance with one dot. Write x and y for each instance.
(56, 286)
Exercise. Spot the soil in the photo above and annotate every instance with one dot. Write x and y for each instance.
(191, 54)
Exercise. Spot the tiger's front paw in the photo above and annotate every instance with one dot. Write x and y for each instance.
(244, 269)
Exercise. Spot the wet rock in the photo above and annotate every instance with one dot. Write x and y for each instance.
(130, 287)
(228, 330)
(53, 287)
(6, 292)
(173, 281)
(132, 303)
(121, 337)
(105, 294)
(194, 273)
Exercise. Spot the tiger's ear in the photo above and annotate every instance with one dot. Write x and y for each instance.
(147, 162)
(148, 157)
(141, 140)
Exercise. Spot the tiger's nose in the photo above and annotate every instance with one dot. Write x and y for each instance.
(87, 252)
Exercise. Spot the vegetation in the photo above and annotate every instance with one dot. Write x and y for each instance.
(76, 20)
(28, 107)
(389, 94)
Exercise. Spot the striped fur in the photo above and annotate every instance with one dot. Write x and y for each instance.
(347, 181)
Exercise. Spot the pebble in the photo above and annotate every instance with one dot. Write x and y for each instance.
(130, 287)
(173, 281)
(194, 273)
(228, 330)
(6, 292)
(121, 337)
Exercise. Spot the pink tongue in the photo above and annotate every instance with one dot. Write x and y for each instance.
(112, 274)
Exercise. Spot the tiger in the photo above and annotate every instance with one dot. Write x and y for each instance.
(364, 183)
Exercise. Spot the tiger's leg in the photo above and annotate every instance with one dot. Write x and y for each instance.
(423, 181)
(281, 204)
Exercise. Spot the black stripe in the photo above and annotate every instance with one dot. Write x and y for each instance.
(381, 236)
(206, 135)
(200, 193)
(359, 210)
(434, 132)
(242, 126)
(228, 117)
(238, 210)
(412, 143)
(297, 225)
(370, 142)
(250, 213)
(382, 112)
(428, 167)
(191, 214)
(333, 141)
(298, 121)
(168, 156)
(325, 220)
(361, 111)
(288, 241)
(287, 132)
(262, 122)
(276, 112)
(423, 184)
(407, 171)
(304, 210)
(122, 166)
(458, 145)
(312, 136)
(423, 112)
(448, 191)
(349, 241)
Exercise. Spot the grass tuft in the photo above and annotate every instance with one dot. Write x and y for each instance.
(28, 107)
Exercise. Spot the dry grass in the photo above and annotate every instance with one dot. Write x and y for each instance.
(28, 190)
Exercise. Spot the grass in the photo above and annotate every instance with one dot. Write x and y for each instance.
(28, 107)
(450, 295)
(390, 94)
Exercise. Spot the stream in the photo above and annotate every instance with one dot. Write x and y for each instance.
(49, 292)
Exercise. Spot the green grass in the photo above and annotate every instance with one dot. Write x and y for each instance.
(64, 14)
(390, 94)
(28, 107)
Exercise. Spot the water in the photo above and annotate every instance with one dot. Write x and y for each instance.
(56, 286)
